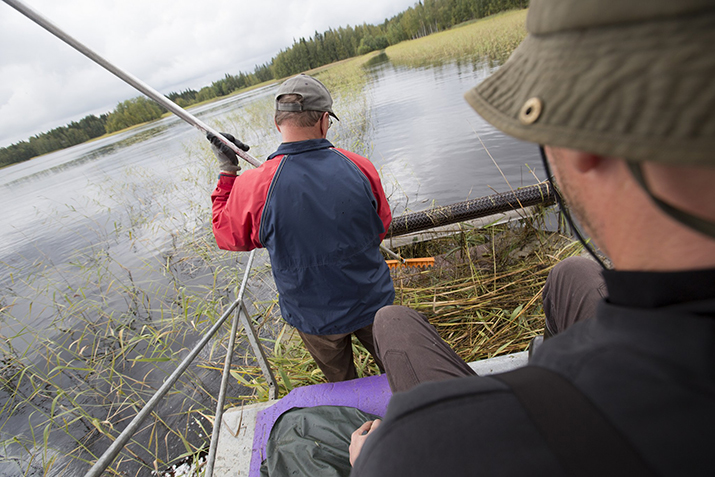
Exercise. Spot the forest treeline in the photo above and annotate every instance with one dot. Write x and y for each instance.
(426, 17)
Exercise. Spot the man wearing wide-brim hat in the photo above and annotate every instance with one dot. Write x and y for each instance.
(621, 95)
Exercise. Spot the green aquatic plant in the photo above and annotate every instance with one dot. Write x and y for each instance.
(488, 39)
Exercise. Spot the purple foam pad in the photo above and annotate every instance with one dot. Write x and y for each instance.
(369, 394)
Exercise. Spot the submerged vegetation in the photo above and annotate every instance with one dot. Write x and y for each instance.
(86, 342)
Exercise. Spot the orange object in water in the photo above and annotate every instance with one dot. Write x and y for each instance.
(411, 262)
(400, 262)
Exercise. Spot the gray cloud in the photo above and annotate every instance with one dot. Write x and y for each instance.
(169, 44)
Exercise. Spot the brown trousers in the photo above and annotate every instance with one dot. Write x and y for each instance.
(334, 353)
(413, 352)
(572, 290)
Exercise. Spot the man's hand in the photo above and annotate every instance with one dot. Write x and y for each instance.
(226, 157)
(357, 439)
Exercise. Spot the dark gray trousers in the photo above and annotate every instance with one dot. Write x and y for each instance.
(572, 290)
(334, 353)
(412, 351)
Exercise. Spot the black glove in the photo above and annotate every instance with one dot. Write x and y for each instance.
(226, 157)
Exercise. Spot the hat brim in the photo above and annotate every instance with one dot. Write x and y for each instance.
(642, 92)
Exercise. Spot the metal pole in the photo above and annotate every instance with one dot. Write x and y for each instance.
(226, 373)
(242, 315)
(111, 453)
(222, 396)
(259, 352)
(392, 254)
(127, 77)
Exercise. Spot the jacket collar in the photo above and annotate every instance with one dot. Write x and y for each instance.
(655, 289)
(300, 147)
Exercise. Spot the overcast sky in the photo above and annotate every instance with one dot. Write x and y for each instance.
(169, 44)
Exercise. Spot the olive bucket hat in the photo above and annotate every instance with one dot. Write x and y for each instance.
(314, 95)
(633, 79)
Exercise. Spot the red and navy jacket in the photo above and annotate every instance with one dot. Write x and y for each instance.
(321, 213)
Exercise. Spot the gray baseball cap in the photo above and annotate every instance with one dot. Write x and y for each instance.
(316, 96)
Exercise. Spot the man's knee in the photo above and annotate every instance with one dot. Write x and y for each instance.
(571, 291)
(573, 268)
(393, 327)
(393, 319)
(384, 321)
(569, 271)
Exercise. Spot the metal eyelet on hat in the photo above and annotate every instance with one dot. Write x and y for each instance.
(531, 111)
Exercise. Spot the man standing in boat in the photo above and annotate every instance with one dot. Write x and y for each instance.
(621, 94)
(321, 212)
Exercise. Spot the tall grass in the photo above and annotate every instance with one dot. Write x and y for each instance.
(484, 293)
(491, 39)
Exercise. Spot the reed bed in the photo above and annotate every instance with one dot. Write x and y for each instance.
(483, 296)
(487, 39)
(484, 293)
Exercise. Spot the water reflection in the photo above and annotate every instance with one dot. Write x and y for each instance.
(431, 145)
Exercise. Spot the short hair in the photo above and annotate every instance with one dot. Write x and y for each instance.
(301, 119)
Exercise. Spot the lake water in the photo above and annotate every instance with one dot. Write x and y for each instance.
(427, 138)
(98, 232)
(424, 138)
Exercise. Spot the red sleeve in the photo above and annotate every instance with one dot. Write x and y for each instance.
(383, 208)
(237, 206)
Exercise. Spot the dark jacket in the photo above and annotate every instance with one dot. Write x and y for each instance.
(321, 212)
(647, 362)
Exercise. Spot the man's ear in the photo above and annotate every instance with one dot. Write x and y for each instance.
(581, 161)
(585, 161)
(323, 121)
